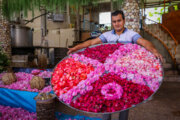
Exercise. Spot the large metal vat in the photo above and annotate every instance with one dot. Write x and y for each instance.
(21, 36)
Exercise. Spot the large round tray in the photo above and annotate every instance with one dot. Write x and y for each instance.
(149, 98)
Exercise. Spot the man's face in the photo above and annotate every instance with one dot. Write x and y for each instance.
(118, 22)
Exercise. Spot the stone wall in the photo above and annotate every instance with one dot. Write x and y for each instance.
(5, 40)
(131, 11)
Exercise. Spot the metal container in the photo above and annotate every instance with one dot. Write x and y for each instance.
(21, 36)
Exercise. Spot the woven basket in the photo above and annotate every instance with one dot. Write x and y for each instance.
(45, 109)
(9, 78)
(37, 82)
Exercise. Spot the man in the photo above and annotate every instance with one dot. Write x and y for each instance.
(119, 34)
(122, 35)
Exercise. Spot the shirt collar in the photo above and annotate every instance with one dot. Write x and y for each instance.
(125, 30)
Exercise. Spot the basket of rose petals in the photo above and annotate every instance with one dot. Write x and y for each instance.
(45, 106)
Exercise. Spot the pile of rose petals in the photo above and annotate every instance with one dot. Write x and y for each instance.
(130, 94)
(69, 73)
(23, 80)
(9, 113)
(98, 52)
(115, 77)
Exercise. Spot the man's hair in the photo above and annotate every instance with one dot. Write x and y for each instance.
(117, 12)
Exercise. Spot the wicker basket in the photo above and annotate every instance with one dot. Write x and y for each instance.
(45, 109)
(9, 78)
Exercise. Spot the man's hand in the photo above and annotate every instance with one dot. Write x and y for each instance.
(149, 46)
(158, 55)
(70, 50)
(84, 45)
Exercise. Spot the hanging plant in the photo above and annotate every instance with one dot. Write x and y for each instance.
(11, 7)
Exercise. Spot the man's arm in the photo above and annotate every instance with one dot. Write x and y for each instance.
(84, 45)
(149, 46)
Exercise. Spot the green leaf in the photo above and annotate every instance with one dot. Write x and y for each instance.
(159, 19)
(162, 10)
(150, 14)
(175, 7)
(156, 13)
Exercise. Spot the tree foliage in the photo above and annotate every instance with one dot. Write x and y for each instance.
(9, 7)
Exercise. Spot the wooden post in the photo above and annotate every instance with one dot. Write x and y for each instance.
(90, 17)
(111, 5)
(43, 22)
(90, 14)
(83, 13)
(144, 7)
(164, 6)
(77, 24)
(111, 12)
(68, 13)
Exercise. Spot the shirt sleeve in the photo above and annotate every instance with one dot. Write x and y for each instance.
(135, 38)
(103, 39)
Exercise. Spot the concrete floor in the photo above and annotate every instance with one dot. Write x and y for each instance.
(165, 105)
